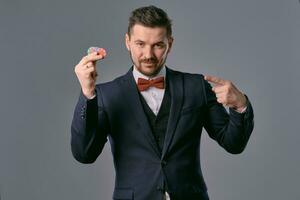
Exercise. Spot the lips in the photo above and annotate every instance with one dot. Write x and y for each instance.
(149, 65)
(147, 62)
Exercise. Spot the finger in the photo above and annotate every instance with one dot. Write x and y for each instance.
(222, 101)
(94, 74)
(89, 65)
(90, 69)
(219, 100)
(214, 79)
(219, 95)
(92, 57)
(102, 51)
(218, 89)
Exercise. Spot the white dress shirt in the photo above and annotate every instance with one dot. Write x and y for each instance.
(153, 96)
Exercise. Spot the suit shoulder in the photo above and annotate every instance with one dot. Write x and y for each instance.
(187, 76)
(193, 76)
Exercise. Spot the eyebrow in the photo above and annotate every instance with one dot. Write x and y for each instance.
(159, 42)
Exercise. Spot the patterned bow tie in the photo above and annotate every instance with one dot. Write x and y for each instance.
(144, 84)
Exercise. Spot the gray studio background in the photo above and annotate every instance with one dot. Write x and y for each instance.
(254, 43)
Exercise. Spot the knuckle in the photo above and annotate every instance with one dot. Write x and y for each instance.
(226, 89)
(228, 86)
(85, 59)
(77, 69)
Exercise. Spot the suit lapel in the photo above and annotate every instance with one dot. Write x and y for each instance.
(176, 90)
(131, 96)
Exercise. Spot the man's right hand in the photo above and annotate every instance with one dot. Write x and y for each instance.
(86, 72)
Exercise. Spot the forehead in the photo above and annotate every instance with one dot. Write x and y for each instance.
(140, 32)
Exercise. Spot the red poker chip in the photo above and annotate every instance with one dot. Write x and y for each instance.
(101, 51)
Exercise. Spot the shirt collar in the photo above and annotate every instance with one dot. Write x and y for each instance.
(137, 74)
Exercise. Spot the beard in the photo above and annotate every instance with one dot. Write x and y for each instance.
(152, 60)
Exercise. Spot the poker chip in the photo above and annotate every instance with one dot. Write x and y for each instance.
(101, 51)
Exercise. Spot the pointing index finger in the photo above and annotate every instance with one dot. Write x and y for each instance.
(214, 79)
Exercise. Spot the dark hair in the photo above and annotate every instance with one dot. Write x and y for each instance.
(150, 16)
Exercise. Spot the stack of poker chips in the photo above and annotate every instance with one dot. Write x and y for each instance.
(100, 51)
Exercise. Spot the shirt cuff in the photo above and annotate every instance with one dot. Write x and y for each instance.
(242, 111)
(85, 98)
(92, 97)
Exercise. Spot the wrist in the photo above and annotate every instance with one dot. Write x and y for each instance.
(242, 105)
(89, 93)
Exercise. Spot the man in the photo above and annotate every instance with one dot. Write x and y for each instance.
(153, 116)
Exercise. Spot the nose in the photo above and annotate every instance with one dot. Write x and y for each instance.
(148, 52)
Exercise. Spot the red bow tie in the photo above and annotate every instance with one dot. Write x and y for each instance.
(144, 84)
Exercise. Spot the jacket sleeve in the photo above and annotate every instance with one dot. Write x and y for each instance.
(89, 128)
(231, 130)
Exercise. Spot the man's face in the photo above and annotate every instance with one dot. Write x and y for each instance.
(148, 48)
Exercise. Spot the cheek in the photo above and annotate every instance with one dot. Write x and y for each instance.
(136, 52)
(161, 54)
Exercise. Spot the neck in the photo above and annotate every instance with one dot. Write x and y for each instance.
(152, 75)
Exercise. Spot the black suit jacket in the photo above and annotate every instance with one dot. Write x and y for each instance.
(141, 169)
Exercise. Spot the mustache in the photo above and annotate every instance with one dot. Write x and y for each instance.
(149, 60)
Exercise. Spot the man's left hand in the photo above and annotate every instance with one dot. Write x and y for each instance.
(227, 94)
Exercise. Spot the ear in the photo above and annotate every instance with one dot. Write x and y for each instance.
(170, 42)
(127, 41)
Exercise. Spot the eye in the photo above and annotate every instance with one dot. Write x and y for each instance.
(140, 44)
(159, 45)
